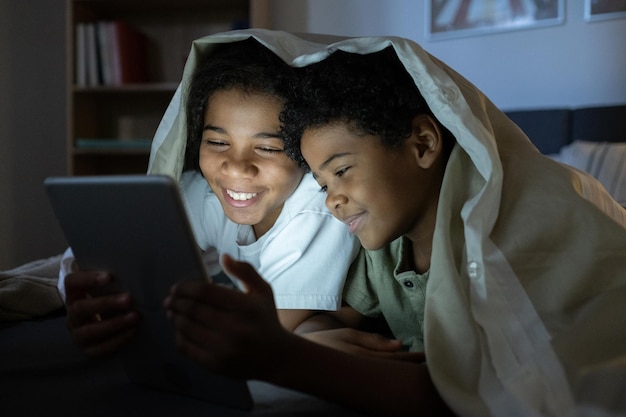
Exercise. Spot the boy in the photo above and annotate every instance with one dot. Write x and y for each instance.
(505, 268)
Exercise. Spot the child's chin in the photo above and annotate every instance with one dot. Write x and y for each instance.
(370, 245)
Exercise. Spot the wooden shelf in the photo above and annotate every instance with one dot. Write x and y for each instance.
(133, 111)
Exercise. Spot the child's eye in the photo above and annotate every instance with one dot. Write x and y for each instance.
(215, 143)
(340, 172)
(269, 150)
(323, 188)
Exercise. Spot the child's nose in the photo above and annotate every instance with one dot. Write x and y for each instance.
(334, 200)
(239, 166)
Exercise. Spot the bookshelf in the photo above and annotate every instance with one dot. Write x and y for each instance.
(111, 121)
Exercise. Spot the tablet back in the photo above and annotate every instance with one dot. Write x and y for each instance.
(135, 227)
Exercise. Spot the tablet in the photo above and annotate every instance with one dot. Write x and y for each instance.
(135, 226)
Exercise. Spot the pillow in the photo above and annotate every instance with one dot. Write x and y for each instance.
(605, 161)
(30, 290)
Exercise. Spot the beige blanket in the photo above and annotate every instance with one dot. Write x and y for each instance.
(526, 303)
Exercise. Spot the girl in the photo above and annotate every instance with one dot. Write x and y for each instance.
(243, 194)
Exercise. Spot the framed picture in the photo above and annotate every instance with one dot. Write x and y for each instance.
(604, 9)
(458, 18)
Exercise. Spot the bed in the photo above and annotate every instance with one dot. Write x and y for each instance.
(42, 373)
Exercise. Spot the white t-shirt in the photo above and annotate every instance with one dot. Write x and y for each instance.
(305, 256)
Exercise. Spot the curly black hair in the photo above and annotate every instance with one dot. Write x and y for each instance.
(244, 65)
(373, 93)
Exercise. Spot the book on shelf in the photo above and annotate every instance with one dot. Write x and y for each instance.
(80, 51)
(93, 65)
(110, 53)
(105, 52)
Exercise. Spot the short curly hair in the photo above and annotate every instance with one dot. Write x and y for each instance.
(373, 93)
(244, 65)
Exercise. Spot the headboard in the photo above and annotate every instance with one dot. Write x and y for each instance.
(592, 139)
(551, 129)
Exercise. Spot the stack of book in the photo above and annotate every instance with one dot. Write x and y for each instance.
(110, 53)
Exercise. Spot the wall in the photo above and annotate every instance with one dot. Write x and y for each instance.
(32, 126)
(574, 64)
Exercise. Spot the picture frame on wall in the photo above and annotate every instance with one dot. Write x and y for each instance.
(460, 18)
(604, 9)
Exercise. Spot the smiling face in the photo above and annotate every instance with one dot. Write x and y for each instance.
(379, 192)
(242, 157)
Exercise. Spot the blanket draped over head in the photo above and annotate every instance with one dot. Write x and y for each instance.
(526, 300)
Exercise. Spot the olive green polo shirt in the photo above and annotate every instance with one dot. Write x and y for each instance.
(382, 282)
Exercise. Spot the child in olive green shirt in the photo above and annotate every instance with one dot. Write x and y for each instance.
(525, 257)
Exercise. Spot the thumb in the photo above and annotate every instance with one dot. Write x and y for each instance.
(246, 273)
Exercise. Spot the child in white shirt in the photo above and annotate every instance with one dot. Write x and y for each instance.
(244, 195)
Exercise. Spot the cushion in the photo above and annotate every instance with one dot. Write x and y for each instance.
(605, 161)
(30, 290)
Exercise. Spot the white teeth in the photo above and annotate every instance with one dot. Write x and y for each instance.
(240, 196)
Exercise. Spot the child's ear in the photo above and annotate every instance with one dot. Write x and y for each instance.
(427, 140)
